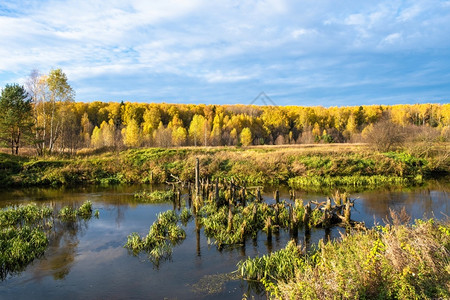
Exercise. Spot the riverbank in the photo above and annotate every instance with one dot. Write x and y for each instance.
(340, 165)
(396, 261)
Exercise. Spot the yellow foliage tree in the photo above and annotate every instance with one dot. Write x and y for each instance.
(179, 136)
(246, 136)
(132, 134)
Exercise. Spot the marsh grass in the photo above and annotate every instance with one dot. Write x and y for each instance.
(25, 232)
(71, 214)
(395, 261)
(154, 197)
(246, 222)
(352, 181)
(164, 233)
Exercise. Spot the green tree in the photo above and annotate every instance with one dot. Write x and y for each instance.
(246, 136)
(16, 116)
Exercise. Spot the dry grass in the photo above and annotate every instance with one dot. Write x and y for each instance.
(396, 261)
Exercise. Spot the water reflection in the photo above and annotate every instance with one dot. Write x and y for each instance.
(62, 249)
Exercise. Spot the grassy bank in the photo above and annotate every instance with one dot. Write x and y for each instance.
(300, 167)
(388, 262)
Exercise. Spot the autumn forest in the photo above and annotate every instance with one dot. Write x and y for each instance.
(55, 122)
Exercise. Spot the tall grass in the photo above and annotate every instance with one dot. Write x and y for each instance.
(395, 261)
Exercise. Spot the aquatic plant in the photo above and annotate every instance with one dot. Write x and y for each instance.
(164, 233)
(185, 216)
(281, 264)
(85, 210)
(154, 197)
(68, 214)
(30, 214)
(18, 247)
(232, 224)
(25, 231)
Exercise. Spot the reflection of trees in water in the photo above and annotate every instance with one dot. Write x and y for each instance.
(120, 214)
(418, 201)
(60, 255)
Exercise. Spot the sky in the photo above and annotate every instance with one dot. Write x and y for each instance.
(300, 52)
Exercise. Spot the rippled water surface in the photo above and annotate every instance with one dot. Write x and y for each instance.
(88, 261)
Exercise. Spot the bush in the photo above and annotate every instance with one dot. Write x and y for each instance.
(384, 135)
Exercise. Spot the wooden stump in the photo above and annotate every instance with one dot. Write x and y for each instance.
(306, 216)
(197, 176)
(347, 212)
(230, 218)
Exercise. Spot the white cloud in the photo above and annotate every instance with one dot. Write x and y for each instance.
(409, 13)
(355, 19)
(218, 76)
(392, 38)
(302, 32)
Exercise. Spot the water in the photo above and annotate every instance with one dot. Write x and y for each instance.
(88, 261)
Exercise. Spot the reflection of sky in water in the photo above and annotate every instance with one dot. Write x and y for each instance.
(89, 260)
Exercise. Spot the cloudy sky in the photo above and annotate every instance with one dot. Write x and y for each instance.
(305, 52)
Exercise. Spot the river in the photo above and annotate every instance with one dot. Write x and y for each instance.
(88, 261)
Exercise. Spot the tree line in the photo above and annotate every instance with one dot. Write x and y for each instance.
(44, 114)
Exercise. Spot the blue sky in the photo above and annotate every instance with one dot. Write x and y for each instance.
(225, 52)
